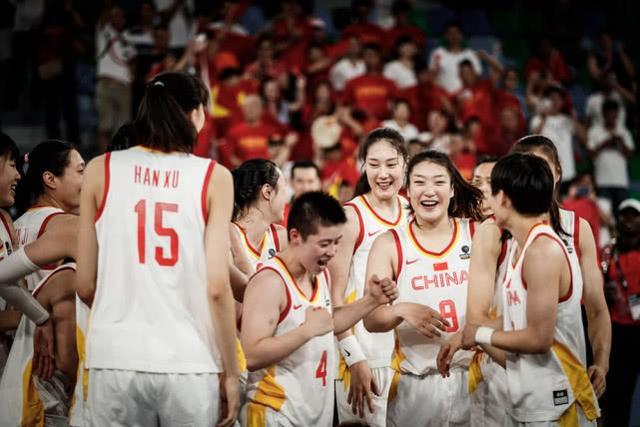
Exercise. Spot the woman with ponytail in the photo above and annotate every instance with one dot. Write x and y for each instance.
(153, 261)
(428, 258)
(365, 374)
(260, 197)
(487, 270)
(49, 196)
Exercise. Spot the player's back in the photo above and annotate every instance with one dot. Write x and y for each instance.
(150, 311)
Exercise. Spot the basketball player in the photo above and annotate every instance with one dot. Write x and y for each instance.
(542, 345)
(51, 192)
(259, 200)
(429, 259)
(161, 344)
(29, 400)
(288, 321)
(365, 366)
(481, 179)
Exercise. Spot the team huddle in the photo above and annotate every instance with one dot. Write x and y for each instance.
(176, 298)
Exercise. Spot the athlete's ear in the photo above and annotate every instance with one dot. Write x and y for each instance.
(49, 180)
(295, 237)
(266, 191)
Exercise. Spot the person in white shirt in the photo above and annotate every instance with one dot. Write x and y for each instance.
(400, 121)
(559, 128)
(610, 146)
(113, 90)
(179, 15)
(402, 70)
(349, 67)
(608, 91)
(444, 60)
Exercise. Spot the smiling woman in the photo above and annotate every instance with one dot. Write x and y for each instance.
(431, 252)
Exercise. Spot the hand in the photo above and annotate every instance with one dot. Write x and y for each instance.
(361, 386)
(317, 321)
(301, 82)
(291, 139)
(598, 377)
(383, 291)
(230, 400)
(44, 362)
(447, 350)
(424, 319)
(469, 336)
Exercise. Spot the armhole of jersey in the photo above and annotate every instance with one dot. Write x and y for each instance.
(576, 234)
(566, 297)
(503, 252)
(287, 306)
(360, 225)
(396, 239)
(107, 178)
(327, 279)
(205, 187)
(274, 234)
(6, 227)
(43, 226)
(472, 228)
(46, 279)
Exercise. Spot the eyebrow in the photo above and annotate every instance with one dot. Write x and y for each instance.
(426, 177)
(382, 160)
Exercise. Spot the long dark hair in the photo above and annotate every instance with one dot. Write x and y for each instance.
(531, 143)
(467, 199)
(248, 179)
(48, 156)
(163, 119)
(8, 148)
(393, 137)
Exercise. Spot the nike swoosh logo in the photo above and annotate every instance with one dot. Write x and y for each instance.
(412, 261)
(347, 352)
(374, 233)
(295, 307)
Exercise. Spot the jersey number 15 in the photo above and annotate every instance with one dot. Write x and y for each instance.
(159, 208)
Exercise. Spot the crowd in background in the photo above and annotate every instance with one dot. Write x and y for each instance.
(287, 84)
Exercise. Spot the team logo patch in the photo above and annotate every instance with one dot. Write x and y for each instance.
(272, 253)
(466, 252)
(568, 245)
(560, 397)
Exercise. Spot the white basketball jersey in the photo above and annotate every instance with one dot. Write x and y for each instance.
(22, 398)
(543, 386)
(28, 228)
(436, 280)
(571, 225)
(377, 347)
(151, 312)
(269, 246)
(301, 386)
(78, 402)
(6, 248)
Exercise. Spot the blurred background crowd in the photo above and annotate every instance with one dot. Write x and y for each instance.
(299, 80)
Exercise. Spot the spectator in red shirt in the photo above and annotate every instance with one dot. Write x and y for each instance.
(475, 99)
(548, 59)
(266, 64)
(506, 95)
(401, 10)
(292, 31)
(509, 131)
(227, 94)
(426, 97)
(305, 177)
(253, 138)
(370, 92)
(361, 27)
(622, 287)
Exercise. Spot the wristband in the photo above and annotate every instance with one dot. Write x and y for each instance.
(483, 335)
(351, 351)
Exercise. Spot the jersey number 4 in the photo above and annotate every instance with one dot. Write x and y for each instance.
(141, 209)
(321, 370)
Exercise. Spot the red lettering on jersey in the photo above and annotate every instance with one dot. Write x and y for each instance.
(137, 174)
(513, 298)
(430, 281)
(156, 178)
(464, 277)
(414, 283)
(440, 266)
(153, 177)
(147, 177)
(451, 278)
